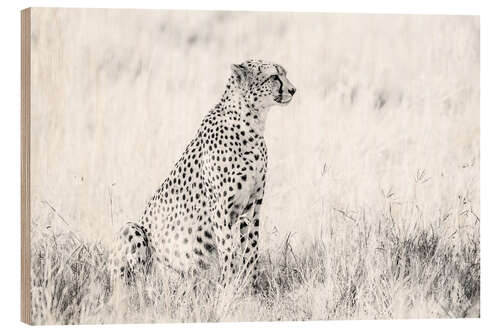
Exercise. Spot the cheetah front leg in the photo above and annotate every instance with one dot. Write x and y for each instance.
(249, 224)
(237, 234)
(225, 231)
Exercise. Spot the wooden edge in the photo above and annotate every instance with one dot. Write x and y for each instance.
(25, 166)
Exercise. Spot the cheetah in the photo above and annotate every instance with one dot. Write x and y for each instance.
(207, 209)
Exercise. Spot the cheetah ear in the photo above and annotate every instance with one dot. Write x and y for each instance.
(240, 72)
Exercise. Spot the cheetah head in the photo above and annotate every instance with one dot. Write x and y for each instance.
(263, 84)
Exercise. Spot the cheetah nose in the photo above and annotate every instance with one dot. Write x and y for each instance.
(292, 91)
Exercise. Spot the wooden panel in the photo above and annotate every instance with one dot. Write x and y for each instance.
(25, 165)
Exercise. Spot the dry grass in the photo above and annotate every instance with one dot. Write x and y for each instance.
(378, 272)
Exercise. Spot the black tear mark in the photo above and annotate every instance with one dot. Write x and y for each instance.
(280, 91)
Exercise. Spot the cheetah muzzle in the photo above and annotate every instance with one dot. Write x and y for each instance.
(208, 208)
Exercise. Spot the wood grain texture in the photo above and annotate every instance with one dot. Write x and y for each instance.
(25, 165)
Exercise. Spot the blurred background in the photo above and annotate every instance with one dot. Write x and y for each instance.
(386, 113)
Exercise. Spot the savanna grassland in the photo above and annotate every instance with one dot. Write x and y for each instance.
(372, 203)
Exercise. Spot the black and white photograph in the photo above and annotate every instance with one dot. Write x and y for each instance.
(184, 166)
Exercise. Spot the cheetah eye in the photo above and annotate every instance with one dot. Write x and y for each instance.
(273, 77)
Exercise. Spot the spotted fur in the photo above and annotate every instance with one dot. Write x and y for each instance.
(207, 209)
